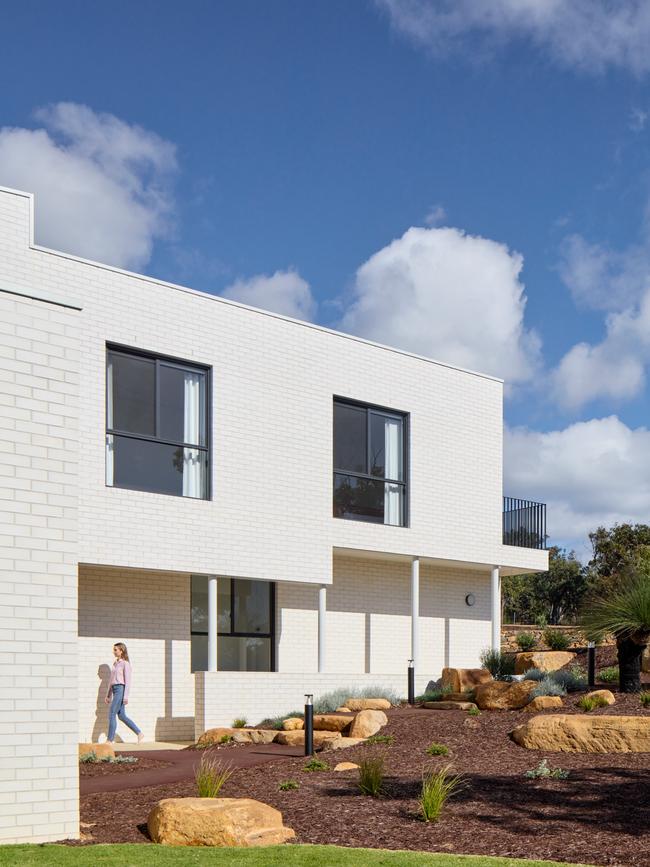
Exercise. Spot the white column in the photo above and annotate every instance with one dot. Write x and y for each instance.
(212, 623)
(415, 610)
(495, 607)
(322, 616)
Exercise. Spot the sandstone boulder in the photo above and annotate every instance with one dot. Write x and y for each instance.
(292, 723)
(460, 679)
(346, 766)
(216, 822)
(329, 722)
(255, 736)
(239, 736)
(544, 702)
(367, 723)
(645, 660)
(214, 736)
(356, 704)
(297, 738)
(542, 660)
(449, 705)
(502, 695)
(342, 743)
(603, 695)
(102, 751)
(574, 733)
(343, 710)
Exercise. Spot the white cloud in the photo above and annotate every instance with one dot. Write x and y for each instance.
(584, 34)
(591, 473)
(284, 292)
(638, 119)
(448, 295)
(436, 215)
(613, 369)
(604, 279)
(101, 185)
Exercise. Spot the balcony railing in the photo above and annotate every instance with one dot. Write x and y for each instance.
(524, 523)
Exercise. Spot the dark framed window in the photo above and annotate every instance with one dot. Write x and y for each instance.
(156, 424)
(245, 624)
(370, 463)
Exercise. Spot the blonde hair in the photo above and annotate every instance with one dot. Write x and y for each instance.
(123, 651)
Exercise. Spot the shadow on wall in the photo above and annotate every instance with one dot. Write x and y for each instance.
(170, 727)
(101, 708)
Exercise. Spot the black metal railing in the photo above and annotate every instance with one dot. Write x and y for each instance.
(524, 523)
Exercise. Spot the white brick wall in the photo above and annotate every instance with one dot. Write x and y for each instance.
(273, 384)
(38, 583)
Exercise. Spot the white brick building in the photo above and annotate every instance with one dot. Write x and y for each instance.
(157, 444)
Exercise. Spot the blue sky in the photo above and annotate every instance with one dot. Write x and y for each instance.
(386, 161)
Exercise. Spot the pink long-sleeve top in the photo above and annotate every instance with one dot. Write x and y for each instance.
(120, 673)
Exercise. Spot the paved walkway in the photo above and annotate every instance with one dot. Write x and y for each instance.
(182, 766)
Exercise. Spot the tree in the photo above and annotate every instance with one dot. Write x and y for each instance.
(614, 551)
(554, 596)
(625, 613)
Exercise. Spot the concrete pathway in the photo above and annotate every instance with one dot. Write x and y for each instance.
(182, 764)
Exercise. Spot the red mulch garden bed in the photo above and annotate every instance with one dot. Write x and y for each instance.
(599, 815)
(106, 769)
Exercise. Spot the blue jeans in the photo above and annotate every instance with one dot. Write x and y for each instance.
(116, 710)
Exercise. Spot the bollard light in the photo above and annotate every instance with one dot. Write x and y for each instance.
(309, 724)
(591, 665)
(411, 681)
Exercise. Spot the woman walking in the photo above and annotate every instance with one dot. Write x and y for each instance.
(117, 695)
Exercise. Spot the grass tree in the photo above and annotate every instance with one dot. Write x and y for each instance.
(625, 614)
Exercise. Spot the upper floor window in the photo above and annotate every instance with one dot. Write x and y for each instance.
(369, 464)
(156, 425)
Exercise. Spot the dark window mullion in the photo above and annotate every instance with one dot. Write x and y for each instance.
(368, 448)
(157, 398)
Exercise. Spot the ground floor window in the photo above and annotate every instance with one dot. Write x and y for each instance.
(245, 624)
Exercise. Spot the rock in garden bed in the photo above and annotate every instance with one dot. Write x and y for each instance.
(216, 822)
(461, 679)
(543, 660)
(503, 695)
(566, 733)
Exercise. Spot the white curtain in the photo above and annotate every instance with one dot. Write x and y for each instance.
(109, 423)
(192, 462)
(393, 470)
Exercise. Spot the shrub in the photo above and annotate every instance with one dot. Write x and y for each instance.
(526, 641)
(555, 639)
(225, 739)
(88, 758)
(542, 770)
(371, 776)
(437, 788)
(572, 679)
(548, 686)
(286, 785)
(316, 765)
(389, 740)
(434, 694)
(534, 674)
(437, 750)
(645, 699)
(609, 675)
(473, 711)
(500, 665)
(329, 701)
(210, 776)
(239, 723)
(589, 702)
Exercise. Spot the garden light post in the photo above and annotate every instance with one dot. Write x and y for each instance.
(411, 681)
(591, 665)
(309, 724)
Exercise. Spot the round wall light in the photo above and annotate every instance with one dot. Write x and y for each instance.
(470, 599)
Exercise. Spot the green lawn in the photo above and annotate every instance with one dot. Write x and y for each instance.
(147, 855)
